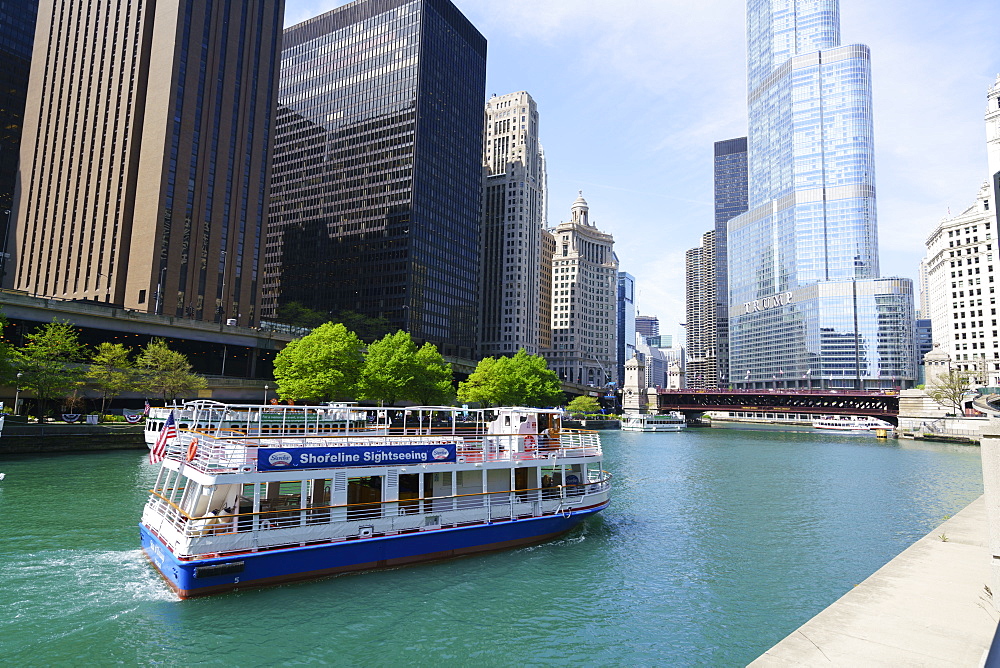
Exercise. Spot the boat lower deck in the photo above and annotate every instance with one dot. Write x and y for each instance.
(212, 575)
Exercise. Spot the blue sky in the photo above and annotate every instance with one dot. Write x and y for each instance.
(632, 94)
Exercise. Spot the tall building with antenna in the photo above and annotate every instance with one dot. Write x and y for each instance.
(806, 305)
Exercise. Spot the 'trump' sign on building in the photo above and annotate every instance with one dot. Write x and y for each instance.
(275, 459)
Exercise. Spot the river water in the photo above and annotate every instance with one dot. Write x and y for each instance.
(718, 543)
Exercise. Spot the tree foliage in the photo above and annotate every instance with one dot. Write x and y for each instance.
(295, 313)
(367, 328)
(433, 386)
(166, 372)
(949, 388)
(389, 369)
(112, 371)
(396, 369)
(583, 406)
(323, 365)
(47, 362)
(521, 380)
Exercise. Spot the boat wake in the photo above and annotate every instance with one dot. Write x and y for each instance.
(107, 582)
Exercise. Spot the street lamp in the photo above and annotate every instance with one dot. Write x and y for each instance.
(17, 393)
(266, 388)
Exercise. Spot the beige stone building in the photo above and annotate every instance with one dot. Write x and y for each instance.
(146, 153)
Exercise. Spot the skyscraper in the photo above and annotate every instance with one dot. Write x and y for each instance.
(700, 312)
(626, 322)
(647, 325)
(513, 197)
(584, 285)
(146, 154)
(993, 139)
(17, 36)
(378, 168)
(730, 201)
(806, 305)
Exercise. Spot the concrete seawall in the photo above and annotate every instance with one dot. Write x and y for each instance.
(930, 606)
(34, 438)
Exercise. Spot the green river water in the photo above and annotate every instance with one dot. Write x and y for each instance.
(717, 544)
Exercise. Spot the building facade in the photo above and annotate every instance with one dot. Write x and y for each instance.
(807, 308)
(17, 37)
(626, 322)
(377, 169)
(700, 281)
(145, 156)
(548, 251)
(647, 325)
(584, 286)
(731, 196)
(512, 223)
(962, 281)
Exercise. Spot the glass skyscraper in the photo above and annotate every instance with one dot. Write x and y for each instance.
(377, 168)
(17, 37)
(806, 305)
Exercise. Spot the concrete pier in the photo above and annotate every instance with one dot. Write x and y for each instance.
(930, 606)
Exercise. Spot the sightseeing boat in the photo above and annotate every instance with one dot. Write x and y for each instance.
(650, 422)
(263, 419)
(851, 423)
(230, 511)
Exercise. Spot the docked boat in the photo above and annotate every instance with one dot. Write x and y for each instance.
(851, 423)
(230, 511)
(205, 415)
(649, 422)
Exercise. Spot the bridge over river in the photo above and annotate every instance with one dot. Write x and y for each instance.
(881, 404)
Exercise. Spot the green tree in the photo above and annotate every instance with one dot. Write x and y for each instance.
(521, 380)
(112, 371)
(395, 369)
(294, 313)
(389, 369)
(166, 372)
(949, 388)
(47, 363)
(583, 406)
(433, 385)
(368, 328)
(323, 365)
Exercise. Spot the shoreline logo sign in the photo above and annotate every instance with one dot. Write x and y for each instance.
(440, 453)
(279, 459)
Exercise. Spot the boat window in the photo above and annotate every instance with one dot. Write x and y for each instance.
(364, 497)
(551, 480)
(409, 493)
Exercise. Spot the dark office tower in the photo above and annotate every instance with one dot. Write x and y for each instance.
(647, 325)
(144, 166)
(377, 168)
(730, 201)
(17, 35)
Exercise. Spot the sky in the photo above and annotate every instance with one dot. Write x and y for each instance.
(632, 95)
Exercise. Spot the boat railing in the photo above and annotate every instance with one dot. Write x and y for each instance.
(295, 525)
(232, 451)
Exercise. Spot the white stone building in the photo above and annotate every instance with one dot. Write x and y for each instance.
(962, 271)
(513, 218)
(584, 289)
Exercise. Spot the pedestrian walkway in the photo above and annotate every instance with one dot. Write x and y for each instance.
(930, 606)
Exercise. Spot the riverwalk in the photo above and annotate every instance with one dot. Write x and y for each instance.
(930, 606)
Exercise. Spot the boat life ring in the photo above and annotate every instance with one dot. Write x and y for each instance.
(265, 524)
(192, 449)
(530, 444)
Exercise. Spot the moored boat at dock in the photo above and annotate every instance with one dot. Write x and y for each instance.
(851, 423)
(652, 422)
(231, 510)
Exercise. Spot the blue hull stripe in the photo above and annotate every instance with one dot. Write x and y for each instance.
(297, 563)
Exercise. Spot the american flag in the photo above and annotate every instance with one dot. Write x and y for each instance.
(168, 432)
(145, 411)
